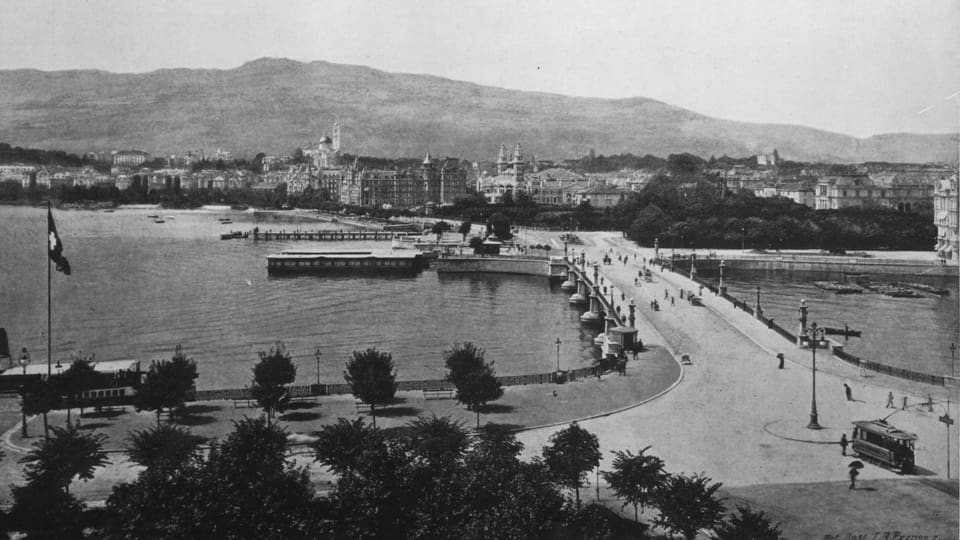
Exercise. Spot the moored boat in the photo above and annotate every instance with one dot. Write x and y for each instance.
(925, 288)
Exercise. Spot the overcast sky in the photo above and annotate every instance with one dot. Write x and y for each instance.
(857, 67)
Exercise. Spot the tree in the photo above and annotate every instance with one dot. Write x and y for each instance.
(372, 378)
(464, 229)
(68, 454)
(499, 225)
(43, 509)
(79, 377)
(474, 378)
(270, 377)
(748, 524)
(163, 447)
(39, 397)
(342, 446)
(687, 504)
(635, 478)
(439, 228)
(244, 488)
(572, 452)
(476, 243)
(167, 384)
(439, 440)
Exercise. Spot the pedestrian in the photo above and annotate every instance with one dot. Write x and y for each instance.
(665, 294)
(634, 282)
(890, 404)
(848, 392)
(673, 301)
(843, 444)
(701, 290)
(904, 404)
(681, 294)
(780, 358)
(853, 477)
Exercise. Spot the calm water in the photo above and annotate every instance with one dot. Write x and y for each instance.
(914, 333)
(139, 288)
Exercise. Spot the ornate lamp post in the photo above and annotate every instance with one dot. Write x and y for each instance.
(815, 334)
(722, 288)
(318, 354)
(558, 354)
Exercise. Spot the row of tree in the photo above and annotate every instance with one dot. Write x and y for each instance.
(429, 479)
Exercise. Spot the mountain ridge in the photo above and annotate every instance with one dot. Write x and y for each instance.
(275, 105)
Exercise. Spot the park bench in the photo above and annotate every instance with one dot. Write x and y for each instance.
(303, 399)
(244, 402)
(439, 394)
(361, 406)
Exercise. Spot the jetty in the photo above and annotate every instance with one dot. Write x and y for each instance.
(322, 236)
(310, 261)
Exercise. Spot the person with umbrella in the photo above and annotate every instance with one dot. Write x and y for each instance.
(855, 467)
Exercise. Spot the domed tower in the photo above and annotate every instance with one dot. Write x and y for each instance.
(502, 160)
(517, 163)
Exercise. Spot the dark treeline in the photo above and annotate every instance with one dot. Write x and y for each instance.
(33, 156)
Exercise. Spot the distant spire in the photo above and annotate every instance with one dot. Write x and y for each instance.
(517, 154)
(502, 158)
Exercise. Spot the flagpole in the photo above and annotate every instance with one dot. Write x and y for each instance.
(49, 335)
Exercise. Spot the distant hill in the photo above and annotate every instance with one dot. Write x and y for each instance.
(276, 105)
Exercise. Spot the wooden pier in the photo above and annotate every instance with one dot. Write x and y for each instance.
(322, 236)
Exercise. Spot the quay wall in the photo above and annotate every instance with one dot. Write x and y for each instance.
(825, 264)
(835, 348)
(494, 264)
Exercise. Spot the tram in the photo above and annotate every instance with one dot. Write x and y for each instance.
(876, 440)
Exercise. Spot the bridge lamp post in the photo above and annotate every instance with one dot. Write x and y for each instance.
(815, 334)
(318, 354)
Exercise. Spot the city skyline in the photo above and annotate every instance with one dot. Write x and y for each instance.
(858, 68)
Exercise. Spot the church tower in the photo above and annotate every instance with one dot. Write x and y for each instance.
(517, 163)
(336, 136)
(502, 160)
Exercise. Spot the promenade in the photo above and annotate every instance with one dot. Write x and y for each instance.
(736, 417)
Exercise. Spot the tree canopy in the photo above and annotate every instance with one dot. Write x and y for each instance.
(473, 377)
(372, 378)
(271, 374)
(572, 452)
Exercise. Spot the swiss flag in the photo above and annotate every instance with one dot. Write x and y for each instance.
(55, 246)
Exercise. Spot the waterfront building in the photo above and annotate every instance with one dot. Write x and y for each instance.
(547, 186)
(22, 174)
(799, 192)
(602, 196)
(903, 192)
(509, 179)
(128, 158)
(945, 208)
(443, 182)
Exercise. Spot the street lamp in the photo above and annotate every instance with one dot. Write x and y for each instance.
(953, 356)
(815, 334)
(24, 359)
(318, 354)
(743, 238)
(558, 354)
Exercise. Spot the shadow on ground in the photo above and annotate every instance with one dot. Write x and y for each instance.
(301, 416)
